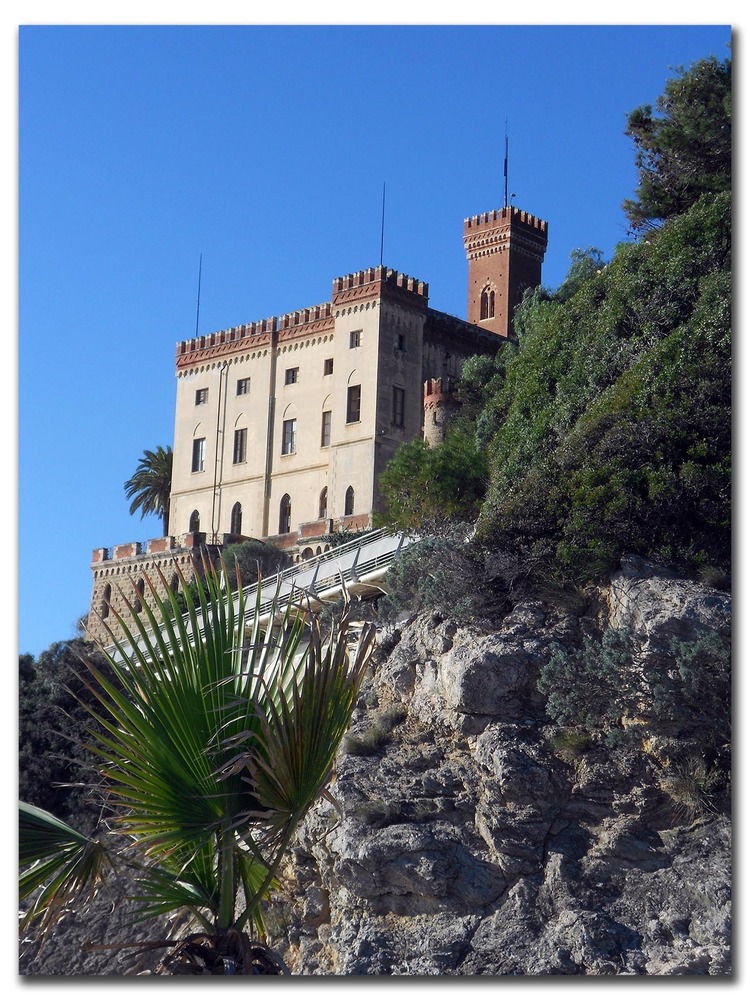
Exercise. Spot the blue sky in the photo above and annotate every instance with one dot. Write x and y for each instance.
(265, 150)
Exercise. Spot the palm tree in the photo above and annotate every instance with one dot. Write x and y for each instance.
(151, 485)
(213, 742)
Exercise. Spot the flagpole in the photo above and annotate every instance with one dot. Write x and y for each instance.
(505, 203)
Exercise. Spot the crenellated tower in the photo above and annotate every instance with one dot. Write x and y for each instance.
(440, 406)
(505, 249)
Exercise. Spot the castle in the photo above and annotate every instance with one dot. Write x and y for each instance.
(283, 426)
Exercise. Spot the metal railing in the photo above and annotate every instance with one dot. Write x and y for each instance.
(358, 566)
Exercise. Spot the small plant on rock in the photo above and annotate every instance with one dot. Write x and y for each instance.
(693, 787)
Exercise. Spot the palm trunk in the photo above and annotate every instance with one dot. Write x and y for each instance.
(226, 906)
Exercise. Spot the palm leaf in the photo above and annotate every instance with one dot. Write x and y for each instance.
(63, 865)
(213, 739)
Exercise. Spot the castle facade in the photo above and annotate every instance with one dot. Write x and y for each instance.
(284, 425)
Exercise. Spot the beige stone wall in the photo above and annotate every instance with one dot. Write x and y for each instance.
(120, 574)
(214, 490)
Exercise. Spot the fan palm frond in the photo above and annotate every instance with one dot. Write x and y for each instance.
(214, 734)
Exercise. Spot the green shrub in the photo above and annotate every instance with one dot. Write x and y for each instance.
(692, 698)
(253, 557)
(441, 573)
(594, 687)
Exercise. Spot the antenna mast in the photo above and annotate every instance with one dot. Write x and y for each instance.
(505, 202)
(382, 227)
(198, 307)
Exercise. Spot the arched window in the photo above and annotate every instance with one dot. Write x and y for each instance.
(235, 524)
(195, 522)
(138, 603)
(349, 501)
(106, 601)
(285, 515)
(174, 583)
(487, 303)
(323, 504)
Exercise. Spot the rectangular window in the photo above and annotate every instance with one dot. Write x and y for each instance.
(353, 403)
(199, 454)
(240, 446)
(398, 406)
(291, 376)
(289, 437)
(201, 396)
(355, 338)
(401, 342)
(243, 386)
(325, 431)
(328, 366)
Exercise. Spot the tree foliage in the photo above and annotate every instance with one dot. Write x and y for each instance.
(54, 768)
(150, 486)
(251, 558)
(426, 488)
(613, 426)
(607, 428)
(684, 148)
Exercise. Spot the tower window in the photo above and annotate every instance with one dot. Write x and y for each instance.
(106, 601)
(240, 447)
(195, 522)
(401, 342)
(353, 403)
(328, 366)
(398, 405)
(243, 386)
(285, 515)
(349, 501)
(289, 437)
(325, 429)
(323, 504)
(199, 455)
(235, 524)
(201, 396)
(291, 376)
(487, 303)
(355, 338)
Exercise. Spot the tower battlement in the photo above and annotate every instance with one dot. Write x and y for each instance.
(373, 281)
(225, 341)
(436, 390)
(303, 317)
(509, 215)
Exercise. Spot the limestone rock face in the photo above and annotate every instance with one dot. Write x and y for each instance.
(468, 845)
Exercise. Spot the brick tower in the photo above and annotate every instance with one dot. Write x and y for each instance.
(505, 249)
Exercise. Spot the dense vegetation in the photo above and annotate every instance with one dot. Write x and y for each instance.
(54, 770)
(607, 429)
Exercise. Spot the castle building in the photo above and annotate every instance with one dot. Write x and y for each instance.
(283, 426)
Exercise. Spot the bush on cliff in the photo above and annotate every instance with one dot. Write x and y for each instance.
(607, 429)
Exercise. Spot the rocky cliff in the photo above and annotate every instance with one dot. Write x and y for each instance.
(469, 841)
(473, 837)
